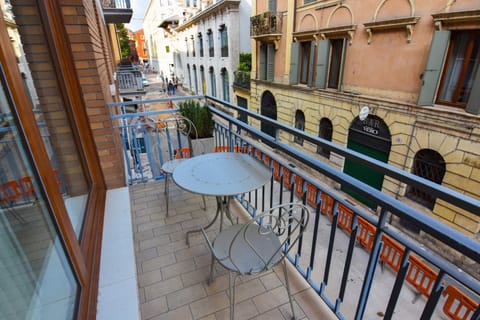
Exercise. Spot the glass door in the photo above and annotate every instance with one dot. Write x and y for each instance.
(37, 280)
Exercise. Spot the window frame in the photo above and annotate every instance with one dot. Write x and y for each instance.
(300, 125)
(474, 35)
(325, 131)
(336, 84)
(200, 42)
(305, 62)
(211, 71)
(420, 159)
(211, 47)
(225, 84)
(83, 253)
(223, 40)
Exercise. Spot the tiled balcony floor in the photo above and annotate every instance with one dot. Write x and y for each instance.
(172, 276)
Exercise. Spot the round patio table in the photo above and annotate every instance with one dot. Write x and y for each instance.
(223, 175)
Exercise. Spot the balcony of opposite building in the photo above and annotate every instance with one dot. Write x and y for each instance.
(117, 11)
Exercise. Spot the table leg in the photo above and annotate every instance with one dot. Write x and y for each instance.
(219, 211)
(223, 208)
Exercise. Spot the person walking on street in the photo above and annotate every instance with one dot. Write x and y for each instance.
(171, 88)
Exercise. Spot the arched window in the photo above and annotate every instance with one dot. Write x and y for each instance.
(193, 46)
(225, 85)
(211, 51)
(430, 165)
(299, 124)
(195, 78)
(189, 77)
(325, 130)
(202, 79)
(269, 109)
(200, 43)
(223, 40)
(213, 85)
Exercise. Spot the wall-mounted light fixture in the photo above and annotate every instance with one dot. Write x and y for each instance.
(363, 114)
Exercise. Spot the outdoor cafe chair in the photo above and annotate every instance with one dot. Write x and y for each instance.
(259, 244)
(177, 131)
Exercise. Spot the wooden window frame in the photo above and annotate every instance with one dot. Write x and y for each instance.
(448, 61)
(338, 81)
(83, 253)
(305, 45)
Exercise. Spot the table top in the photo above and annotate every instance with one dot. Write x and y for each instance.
(221, 174)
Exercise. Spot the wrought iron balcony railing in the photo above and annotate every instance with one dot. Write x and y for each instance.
(117, 11)
(343, 260)
(242, 79)
(266, 23)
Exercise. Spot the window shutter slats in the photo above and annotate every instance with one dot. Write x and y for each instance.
(263, 62)
(310, 64)
(431, 75)
(323, 50)
(293, 78)
(270, 61)
(473, 104)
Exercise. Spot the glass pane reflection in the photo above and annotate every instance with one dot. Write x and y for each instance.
(36, 280)
(36, 64)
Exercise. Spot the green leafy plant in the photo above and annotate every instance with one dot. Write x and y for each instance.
(201, 118)
(245, 62)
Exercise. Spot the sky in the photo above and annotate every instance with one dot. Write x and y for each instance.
(139, 7)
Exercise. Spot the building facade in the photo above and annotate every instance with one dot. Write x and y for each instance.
(141, 46)
(58, 151)
(208, 41)
(158, 41)
(413, 64)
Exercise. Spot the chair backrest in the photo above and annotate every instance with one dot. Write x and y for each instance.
(178, 132)
(270, 235)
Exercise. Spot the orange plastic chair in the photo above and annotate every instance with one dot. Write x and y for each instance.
(298, 186)
(458, 306)
(392, 252)
(221, 149)
(420, 276)
(183, 153)
(311, 195)
(276, 170)
(327, 205)
(28, 190)
(286, 177)
(345, 217)
(366, 233)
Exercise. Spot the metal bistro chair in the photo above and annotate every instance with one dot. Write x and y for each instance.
(177, 131)
(259, 244)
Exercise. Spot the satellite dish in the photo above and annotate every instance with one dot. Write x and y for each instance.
(363, 113)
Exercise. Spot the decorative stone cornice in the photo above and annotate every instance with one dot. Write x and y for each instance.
(210, 10)
(399, 23)
(455, 18)
(346, 31)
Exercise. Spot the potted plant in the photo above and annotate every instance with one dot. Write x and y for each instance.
(201, 136)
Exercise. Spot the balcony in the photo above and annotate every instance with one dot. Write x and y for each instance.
(117, 11)
(266, 26)
(351, 263)
(242, 79)
(130, 82)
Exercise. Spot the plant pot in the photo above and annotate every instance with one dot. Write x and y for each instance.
(202, 146)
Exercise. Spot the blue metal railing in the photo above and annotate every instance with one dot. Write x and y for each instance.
(413, 268)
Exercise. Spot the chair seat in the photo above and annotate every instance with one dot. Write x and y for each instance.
(169, 166)
(241, 257)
